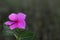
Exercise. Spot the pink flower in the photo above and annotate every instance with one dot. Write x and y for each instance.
(16, 21)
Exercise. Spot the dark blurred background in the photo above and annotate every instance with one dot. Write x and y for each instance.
(43, 17)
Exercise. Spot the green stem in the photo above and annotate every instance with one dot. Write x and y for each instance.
(17, 38)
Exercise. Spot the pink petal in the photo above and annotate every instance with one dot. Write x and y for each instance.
(21, 16)
(13, 26)
(8, 23)
(21, 25)
(13, 17)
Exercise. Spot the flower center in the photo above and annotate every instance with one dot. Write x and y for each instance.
(16, 21)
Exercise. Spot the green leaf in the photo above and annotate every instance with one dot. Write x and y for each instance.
(7, 31)
(24, 35)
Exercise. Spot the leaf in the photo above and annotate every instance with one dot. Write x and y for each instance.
(25, 35)
(7, 32)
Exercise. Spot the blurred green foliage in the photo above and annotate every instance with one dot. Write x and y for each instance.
(21, 34)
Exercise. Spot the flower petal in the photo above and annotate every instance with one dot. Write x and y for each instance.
(21, 25)
(13, 26)
(8, 23)
(13, 17)
(21, 16)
